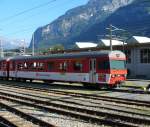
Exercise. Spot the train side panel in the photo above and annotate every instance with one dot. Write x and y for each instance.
(56, 76)
(92, 69)
(4, 68)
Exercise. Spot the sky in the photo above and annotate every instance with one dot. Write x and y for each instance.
(20, 18)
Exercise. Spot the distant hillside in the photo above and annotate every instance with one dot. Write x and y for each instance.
(134, 18)
(75, 22)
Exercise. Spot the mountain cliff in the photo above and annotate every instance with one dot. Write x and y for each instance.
(134, 18)
(75, 22)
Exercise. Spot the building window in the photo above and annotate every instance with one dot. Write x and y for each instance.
(145, 55)
(128, 55)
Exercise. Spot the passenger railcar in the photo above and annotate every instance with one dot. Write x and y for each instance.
(4, 68)
(98, 67)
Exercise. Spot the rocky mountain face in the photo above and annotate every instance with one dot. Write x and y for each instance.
(75, 22)
(134, 18)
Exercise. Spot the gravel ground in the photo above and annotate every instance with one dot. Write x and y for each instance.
(63, 121)
(53, 118)
(92, 106)
(16, 120)
(89, 103)
(137, 82)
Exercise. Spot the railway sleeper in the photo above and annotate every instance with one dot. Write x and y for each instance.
(90, 112)
(26, 116)
(85, 117)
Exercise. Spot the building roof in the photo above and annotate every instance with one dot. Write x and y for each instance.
(86, 44)
(106, 42)
(138, 40)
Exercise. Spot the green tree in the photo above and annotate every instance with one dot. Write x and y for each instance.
(57, 47)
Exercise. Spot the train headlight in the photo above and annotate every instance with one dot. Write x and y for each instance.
(113, 76)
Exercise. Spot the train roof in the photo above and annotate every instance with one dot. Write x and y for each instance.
(67, 55)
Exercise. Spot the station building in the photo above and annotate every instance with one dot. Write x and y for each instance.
(138, 57)
(137, 50)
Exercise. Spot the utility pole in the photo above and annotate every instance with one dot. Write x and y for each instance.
(33, 45)
(22, 47)
(110, 36)
(1, 49)
(110, 29)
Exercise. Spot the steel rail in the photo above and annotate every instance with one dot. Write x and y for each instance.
(115, 108)
(5, 123)
(91, 96)
(134, 120)
(26, 116)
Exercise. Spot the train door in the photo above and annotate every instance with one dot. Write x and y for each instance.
(7, 67)
(15, 69)
(92, 70)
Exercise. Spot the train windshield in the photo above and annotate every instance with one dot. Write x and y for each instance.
(103, 65)
(117, 64)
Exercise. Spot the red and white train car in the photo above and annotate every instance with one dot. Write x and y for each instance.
(4, 68)
(99, 67)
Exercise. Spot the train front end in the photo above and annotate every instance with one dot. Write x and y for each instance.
(118, 71)
(113, 69)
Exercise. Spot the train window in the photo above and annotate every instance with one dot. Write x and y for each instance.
(94, 66)
(3, 65)
(90, 65)
(0, 65)
(117, 64)
(40, 66)
(50, 66)
(25, 65)
(20, 66)
(77, 66)
(63, 66)
(13, 65)
(60, 66)
(34, 65)
(103, 65)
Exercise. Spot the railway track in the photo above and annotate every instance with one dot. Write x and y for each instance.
(23, 115)
(132, 90)
(129, 90)
(107, 115)
(75, 101)
(87, 96)
(6, 123)
(87, 115)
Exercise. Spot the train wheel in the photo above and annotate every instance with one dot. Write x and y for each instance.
(47, 81)
(109, 86)
(24, 80)
(87, 85)
(91, 86)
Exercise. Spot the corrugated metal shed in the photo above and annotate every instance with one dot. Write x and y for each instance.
(106, 42)
(138, 40)
(86, 44)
